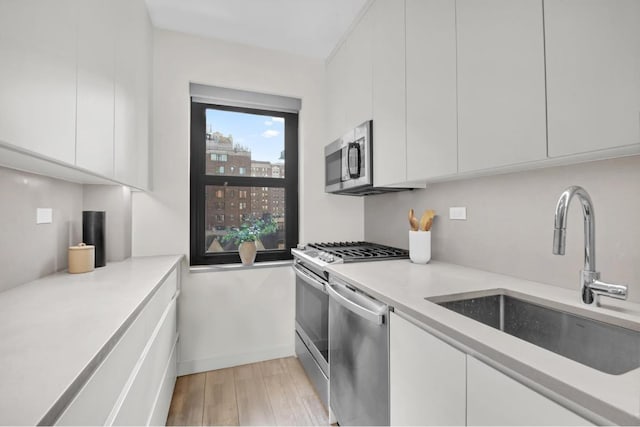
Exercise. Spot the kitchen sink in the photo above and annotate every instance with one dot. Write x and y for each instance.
(606, 347)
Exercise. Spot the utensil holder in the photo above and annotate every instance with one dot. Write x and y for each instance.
(420, 246)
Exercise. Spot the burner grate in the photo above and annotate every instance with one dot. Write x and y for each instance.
(360, 251)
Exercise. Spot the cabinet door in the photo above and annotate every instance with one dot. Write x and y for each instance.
(593, 74)
(432, 140)
(38, 77)
(389, 127)
(427, 377)
(359, 72)
(132, 78)
(495, 399)
(96, 56)
(501, 86)
(336, 95)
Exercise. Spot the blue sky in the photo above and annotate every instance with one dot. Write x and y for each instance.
(264, 135)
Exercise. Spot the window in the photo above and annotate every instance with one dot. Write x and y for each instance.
(216, 157)
(257, 187)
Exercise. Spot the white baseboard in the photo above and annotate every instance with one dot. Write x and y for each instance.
(187, 367)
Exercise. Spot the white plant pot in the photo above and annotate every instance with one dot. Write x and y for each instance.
(247, 252)
(420, 246)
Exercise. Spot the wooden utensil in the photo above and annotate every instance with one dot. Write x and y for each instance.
(413, 222)
(427, 227)
(427, 220)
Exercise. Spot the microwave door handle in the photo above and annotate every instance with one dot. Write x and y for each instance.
(344, 301)
(353, 146)
(308, 279)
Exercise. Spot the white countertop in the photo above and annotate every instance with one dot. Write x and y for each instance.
(405, 286)
(54, 332)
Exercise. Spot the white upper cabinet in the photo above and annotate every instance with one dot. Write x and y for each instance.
(336, 109)
(132, 92)
(389, 102)
(432, 144)
(38, 77)
(497, 400)
(359, 73)
(349, 81)
(593, 74)
(501, 83)
(95, 110)
(75, 88)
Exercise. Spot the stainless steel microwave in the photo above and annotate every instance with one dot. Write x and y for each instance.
(348, 164)
(348, 161)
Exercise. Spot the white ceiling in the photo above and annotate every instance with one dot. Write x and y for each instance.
(306, 27)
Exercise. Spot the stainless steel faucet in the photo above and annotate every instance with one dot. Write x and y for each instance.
(591, 288)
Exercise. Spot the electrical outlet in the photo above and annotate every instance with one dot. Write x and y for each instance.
(44, 216)
(459, 213)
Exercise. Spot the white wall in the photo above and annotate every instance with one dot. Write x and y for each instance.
(115, 200)
(509, 229)
(161, 217)
(30, 251)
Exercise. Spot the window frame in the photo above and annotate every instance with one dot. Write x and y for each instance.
(199, 180)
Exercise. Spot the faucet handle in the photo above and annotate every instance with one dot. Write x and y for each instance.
(599, 288)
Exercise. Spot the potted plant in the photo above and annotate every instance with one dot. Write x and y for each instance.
(246, 236)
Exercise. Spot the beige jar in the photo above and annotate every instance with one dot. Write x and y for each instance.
(81, 258)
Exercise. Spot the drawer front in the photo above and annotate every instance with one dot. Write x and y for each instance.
(138, 398)
(96, 399)
(160, 410)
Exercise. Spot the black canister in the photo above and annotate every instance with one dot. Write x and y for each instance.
(93, 233)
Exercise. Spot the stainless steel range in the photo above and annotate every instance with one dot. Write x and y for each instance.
(312, 300)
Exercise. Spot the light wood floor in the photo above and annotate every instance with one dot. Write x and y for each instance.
(271, 393)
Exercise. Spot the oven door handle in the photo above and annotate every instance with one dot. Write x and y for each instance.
(307, 278)
(341, 296)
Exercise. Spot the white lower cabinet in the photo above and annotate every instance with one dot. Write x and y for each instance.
(427, 377)
(434, 383)
(496, 399)
(134, 382)
(141, 393)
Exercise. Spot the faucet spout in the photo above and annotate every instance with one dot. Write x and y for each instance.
(591, 288)
(560, 228)
(559, 241)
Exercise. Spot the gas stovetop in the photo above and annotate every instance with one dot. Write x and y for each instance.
(322, 254)
(360, 251)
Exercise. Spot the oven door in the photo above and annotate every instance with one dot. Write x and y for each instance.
(312, 314)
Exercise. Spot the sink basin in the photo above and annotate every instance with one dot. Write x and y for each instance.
(606, 347)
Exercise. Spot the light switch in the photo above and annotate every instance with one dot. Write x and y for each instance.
(459, 213)
(44, 216)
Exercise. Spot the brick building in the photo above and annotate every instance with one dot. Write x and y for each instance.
(229, 207)
(226, 207)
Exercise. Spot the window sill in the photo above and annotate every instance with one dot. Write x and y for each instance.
(237, 266)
